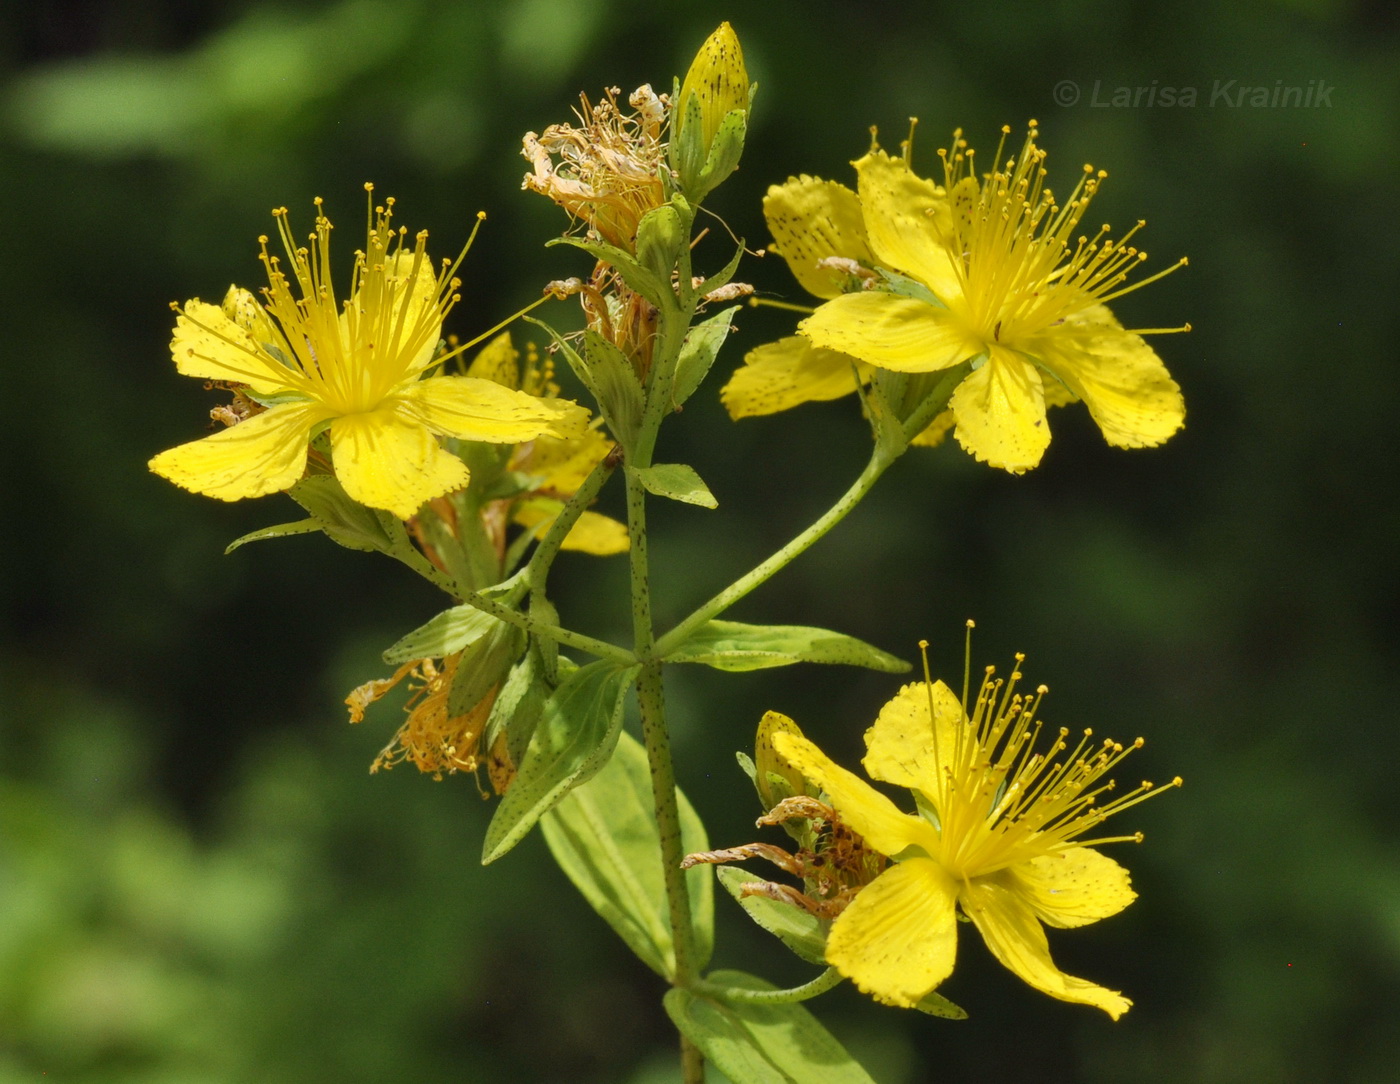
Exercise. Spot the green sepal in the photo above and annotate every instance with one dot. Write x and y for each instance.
(734, 646)
(609, 377)
(573, 740)
(720, 278)
(518, 707)
(281, 530)
(639, 278)
(605, 838)
(698, 352)
(675, 481)
(746, 766)
(483, 666)
(613, 382)
(804, 934)
(344, 521)
(755, 1043)
(661, 237)
(723, 156)
(687, 150)
(544, 611)
(448, 632)
(935, 1004)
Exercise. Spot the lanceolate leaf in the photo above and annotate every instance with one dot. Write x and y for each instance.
(732, 645)
(604, 836)
(702, 344)
(573, 740)
(676, 481)
(281, 530)
(761, 1044)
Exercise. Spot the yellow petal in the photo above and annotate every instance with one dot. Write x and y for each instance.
(718, 79)
(864, 808)
(1000, 413)
(263, 454)
(783, 374)
(811, 220)
(592, 533)
(497, 362)
(388, 460)
(899, 333)
(561, 466)
(907, 219)
(1120, 378)
(1073, 888)
(898, 938)
(207, 343)
(1016, 938)
(904, 748)
(473, 409)
(935, 433)
(767, 761)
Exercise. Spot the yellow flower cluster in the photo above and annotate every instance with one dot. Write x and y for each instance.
(358, 369)
(996, 835)
(919, 277)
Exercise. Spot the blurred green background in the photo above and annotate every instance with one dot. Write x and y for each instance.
(199, 880)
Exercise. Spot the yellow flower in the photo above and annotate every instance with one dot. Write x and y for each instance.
(996, 835)
(557, 466)
(818, 230)
(357, 369)
(1000, 279)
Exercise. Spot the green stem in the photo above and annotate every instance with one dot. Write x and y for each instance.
(880, 461)
(650, 696)
(600, 648)
(548, 549)
(820, 985)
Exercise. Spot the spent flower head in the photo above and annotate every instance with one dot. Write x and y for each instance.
(998, 834)
(607, 171)
(431, 738)
(358, 368)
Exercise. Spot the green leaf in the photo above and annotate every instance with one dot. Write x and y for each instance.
(803, 933)
(575, 736)
(604, 837)
(281, 530)
(633, 273)
(734, 646)
(448, 632)
(698, 352)
(676, 481)
(761, 1044)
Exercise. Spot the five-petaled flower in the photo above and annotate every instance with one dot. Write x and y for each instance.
(996, 834)
(357, 369)
(990, 271)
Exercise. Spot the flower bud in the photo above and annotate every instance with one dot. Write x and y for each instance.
(718, 80)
